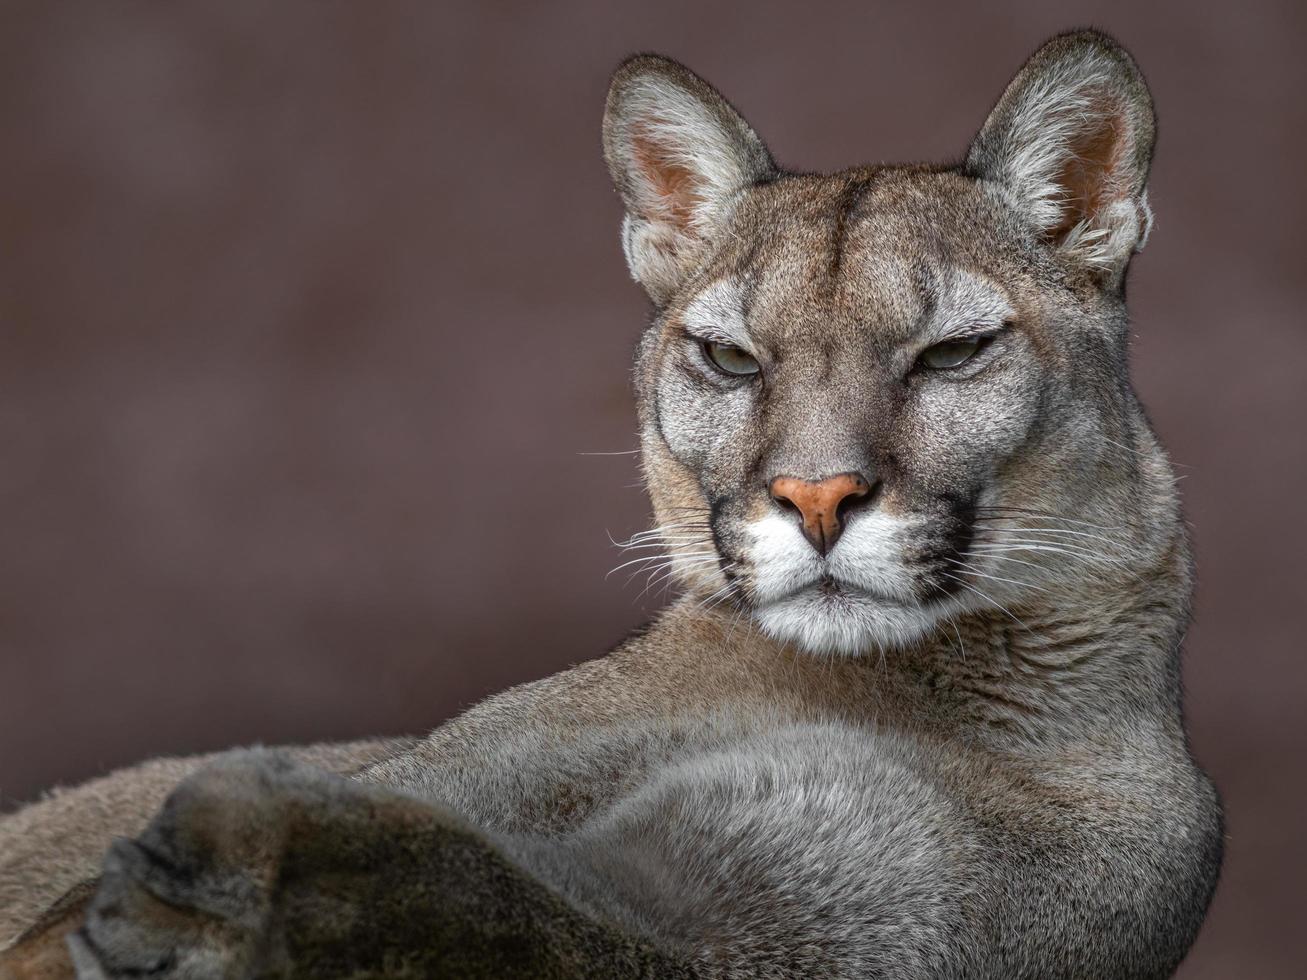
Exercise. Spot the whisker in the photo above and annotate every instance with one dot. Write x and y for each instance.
(657, 533)
(1017, 561)
(718, 597)
(735, 621)
(994, 602)
(962, 650)
(996, 578)
(673, 525)
(691, 558)
(664, 543)
(1041, 536)
(1069, 533)
(1137, 452)
(668, 567)
(1053, 547)
(1024, 512)
(665, 574)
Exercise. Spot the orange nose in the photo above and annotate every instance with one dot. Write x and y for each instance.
(819, 503)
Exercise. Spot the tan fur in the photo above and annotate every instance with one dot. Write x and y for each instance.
(994, 784)
(52, 849)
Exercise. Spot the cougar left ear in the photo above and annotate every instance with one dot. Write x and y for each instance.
(1070, 142)
(679, 155)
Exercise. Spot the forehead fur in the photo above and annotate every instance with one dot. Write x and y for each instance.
(896, 250)
(819, 222)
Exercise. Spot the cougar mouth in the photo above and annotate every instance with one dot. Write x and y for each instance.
(834, 617)
(835, 589)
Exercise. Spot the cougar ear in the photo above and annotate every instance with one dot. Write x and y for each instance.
(1070, 142)
(679, 155)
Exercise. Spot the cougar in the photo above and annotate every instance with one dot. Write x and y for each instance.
(916, 711)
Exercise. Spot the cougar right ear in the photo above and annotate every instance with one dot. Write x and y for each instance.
(679, 155)
(1070, 141)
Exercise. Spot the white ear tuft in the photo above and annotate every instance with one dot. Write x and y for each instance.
(1070, 142)
(679, 155)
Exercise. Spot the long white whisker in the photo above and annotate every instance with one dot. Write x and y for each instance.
(962, 650)
(996, 578)
(724, 593)
(662, 544)
(995, 603)
(661, 530)
(664, 575)
(1137, 452)
(1017, 561)
(658, 573)
(692, 557)
(1068, 532)
(1016, 514)
(735, 621)
(653, 572)
(1113, 542)
(1055, 547)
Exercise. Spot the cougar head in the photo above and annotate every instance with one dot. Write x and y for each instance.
(871, 400)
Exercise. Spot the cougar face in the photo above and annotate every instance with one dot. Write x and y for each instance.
(858, 387)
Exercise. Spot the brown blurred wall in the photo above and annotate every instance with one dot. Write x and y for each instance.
(308, 312)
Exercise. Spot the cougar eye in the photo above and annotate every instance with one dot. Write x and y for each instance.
(730, 359)
(952, 353)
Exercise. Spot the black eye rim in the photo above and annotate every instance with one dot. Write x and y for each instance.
(982, 341)
(706, 349)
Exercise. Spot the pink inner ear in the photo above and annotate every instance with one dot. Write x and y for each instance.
(672, 185)
(1090, 177)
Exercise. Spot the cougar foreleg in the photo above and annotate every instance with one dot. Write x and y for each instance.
(258, 867)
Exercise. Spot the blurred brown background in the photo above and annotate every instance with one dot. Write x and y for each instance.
(309, 310)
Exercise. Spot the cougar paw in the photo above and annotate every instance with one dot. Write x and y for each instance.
(189, 897)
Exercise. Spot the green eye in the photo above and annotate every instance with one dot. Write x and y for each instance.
(952, 353)
(731, 360)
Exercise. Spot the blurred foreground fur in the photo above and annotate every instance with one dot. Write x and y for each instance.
(917, 712)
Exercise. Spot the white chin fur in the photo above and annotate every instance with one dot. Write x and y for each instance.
(842, 624)
(875, 610)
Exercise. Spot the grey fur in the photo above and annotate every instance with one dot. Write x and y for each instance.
(953, 747)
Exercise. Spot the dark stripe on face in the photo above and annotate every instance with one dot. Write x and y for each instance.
(952, 541)
(927, 287)
(658, 422)
(848, 200)
(715, 507)
(964, 529)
